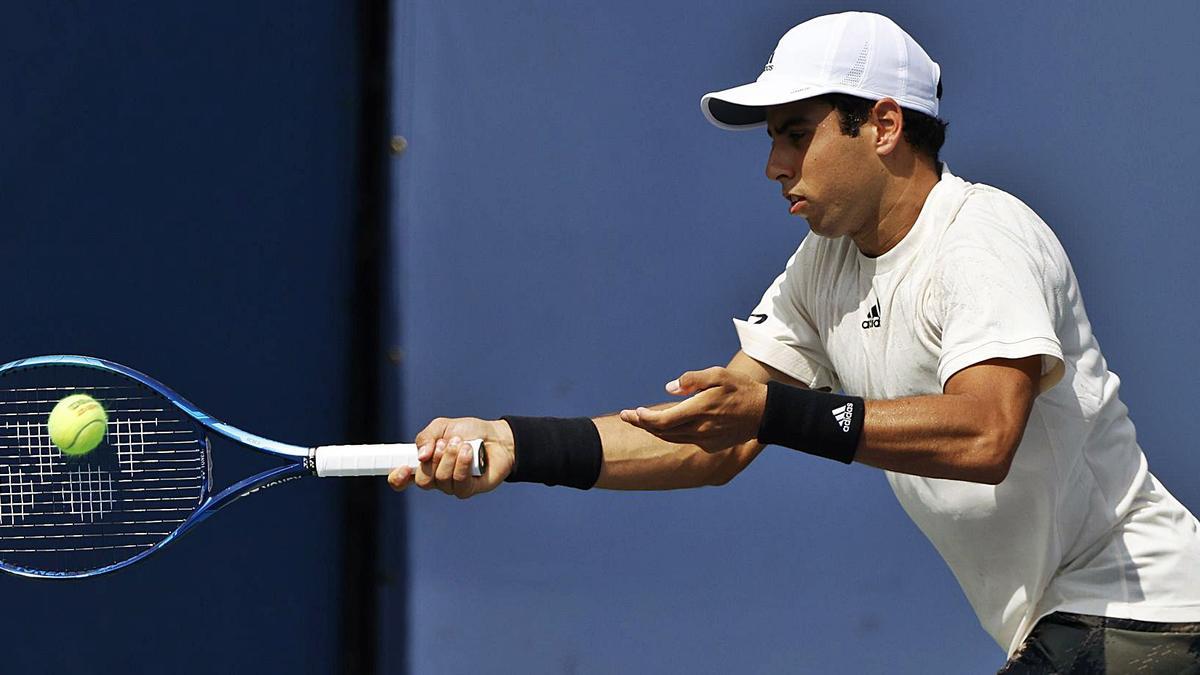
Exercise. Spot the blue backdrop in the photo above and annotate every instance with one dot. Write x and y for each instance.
(571, 234)
(177, 193)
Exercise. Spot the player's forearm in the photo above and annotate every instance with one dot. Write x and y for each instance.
(941, 436)
(637, 460)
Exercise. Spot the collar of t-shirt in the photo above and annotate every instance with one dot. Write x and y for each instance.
(942, 203)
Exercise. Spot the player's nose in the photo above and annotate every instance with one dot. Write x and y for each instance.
(778, 169)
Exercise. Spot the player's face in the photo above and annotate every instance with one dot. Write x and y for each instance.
(832, 180)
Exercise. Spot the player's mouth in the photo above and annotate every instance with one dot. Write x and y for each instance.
(798, 204)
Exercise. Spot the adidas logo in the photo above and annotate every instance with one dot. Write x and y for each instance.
(872, 317)
(770, 63)
(844, 415)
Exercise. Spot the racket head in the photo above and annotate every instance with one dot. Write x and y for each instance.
(78, 516)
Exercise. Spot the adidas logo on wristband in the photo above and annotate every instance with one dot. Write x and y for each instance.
(797, 418)
(844, 415)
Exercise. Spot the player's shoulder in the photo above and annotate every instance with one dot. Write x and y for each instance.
(994, 218)
(995, 231)
(995, 208)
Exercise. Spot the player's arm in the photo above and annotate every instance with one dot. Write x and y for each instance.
(970, 432)
(632, 458)
(635, 459)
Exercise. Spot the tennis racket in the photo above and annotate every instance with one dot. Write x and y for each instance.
(149, 481)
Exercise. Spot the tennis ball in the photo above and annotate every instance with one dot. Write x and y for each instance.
(77, 424)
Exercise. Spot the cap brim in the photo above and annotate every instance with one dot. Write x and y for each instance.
(745, 107)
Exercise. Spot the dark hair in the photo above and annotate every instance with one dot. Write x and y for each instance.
(924, 133)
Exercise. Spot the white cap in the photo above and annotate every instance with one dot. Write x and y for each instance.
(855, 53)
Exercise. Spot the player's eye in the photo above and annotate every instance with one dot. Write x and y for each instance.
(797, 136)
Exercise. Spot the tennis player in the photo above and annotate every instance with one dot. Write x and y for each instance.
(930, 327)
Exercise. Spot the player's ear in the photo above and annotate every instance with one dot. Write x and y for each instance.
(888, 119)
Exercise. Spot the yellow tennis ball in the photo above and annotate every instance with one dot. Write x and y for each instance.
(77, 424)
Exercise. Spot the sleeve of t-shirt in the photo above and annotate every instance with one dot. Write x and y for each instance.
(781, 334)
(996, 297)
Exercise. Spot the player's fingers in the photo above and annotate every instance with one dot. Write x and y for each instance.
(444, 473)
(426, 471)
(631, 417)
(428, 436)
(423, 476)
(464, 483)
(400, 478)
(661, 420)
(462, 464)
(439, 448)
(432, 431)
(641, 418)
(696, 380)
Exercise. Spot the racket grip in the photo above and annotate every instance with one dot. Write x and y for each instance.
(379, 460)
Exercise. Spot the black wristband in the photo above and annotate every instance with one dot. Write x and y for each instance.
(816, 422)
(555, 451)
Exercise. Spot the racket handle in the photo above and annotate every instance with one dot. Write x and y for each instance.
(379, 460)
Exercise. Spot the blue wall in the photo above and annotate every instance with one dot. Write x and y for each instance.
(572, 234)
(177, 193)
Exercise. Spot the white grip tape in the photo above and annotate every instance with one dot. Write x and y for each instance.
(379, 460)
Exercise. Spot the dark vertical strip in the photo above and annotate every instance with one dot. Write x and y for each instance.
(360, 572)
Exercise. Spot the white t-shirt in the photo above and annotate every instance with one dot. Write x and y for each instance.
(1079, 524)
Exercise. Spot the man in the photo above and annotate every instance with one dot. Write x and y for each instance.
(949, 319)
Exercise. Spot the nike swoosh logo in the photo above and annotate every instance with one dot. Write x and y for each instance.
(759, 318)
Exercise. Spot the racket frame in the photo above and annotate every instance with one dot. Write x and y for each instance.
(300, 460)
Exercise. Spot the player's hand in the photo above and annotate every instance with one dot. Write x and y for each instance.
(725, 408)
(445, 457)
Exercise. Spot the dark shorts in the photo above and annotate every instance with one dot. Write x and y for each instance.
(1069, 644)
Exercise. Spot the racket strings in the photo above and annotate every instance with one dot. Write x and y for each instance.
(64, 514)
